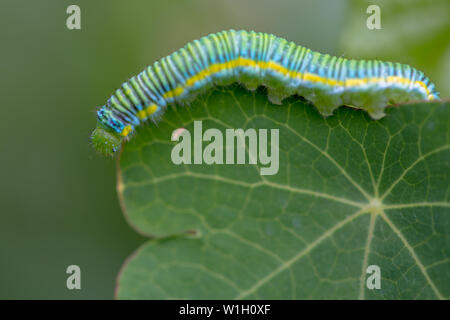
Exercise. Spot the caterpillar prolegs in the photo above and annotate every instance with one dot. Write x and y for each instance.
(255, 59)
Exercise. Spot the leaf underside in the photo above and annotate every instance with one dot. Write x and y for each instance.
(350, 192)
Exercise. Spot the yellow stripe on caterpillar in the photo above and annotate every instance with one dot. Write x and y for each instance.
(310, 77)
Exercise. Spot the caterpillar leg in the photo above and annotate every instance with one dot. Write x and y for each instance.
(325, 103)
(276, 96)
(249, 78)
(376, 110)
(374, 102)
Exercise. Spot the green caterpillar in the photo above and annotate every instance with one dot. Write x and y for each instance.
(255, 59)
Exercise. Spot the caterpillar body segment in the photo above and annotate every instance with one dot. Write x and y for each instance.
(255, 59)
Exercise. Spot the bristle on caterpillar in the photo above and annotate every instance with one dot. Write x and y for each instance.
(255, 59)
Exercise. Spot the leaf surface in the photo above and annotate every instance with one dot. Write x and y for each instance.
(350, 192)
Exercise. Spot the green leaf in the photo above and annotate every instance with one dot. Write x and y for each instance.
(350, 192)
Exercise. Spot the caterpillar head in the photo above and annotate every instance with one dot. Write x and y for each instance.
(105, 141)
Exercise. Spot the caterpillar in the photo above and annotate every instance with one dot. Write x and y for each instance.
(253, 59)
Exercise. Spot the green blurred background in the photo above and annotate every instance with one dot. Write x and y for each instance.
(58, 201)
